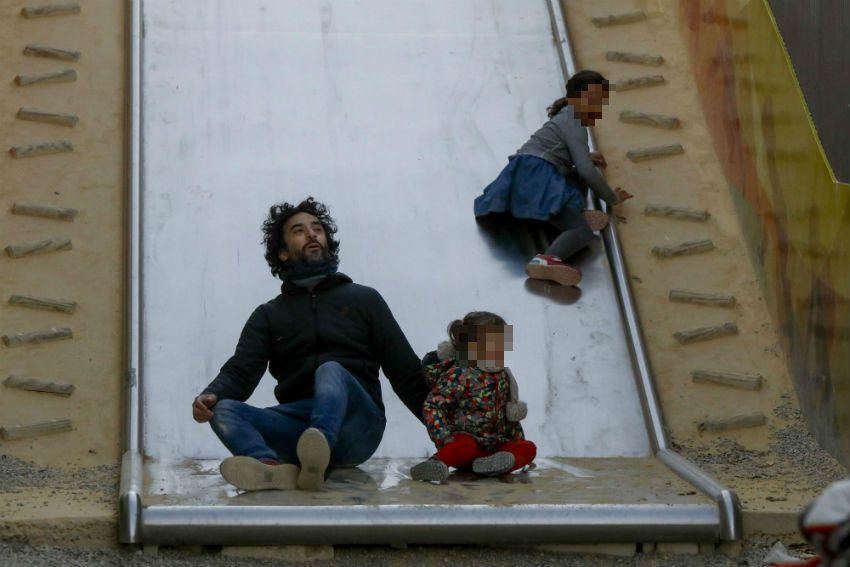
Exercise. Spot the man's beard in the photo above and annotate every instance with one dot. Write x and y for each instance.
(306, 260)
(307, 267)
(309, 257)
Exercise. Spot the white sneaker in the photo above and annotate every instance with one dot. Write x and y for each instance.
(247, 473)
(497, 464)
(432, 470)
(314, 454)
(548, 267)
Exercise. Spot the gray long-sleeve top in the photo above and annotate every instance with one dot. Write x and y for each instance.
(563, 142)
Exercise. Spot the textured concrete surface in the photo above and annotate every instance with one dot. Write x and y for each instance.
(62, 506)
(288, 553)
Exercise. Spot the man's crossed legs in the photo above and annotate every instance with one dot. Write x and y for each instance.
(340, 426)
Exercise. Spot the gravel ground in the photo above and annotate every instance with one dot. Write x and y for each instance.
(26, 556)
(17, 475)
(793, 455)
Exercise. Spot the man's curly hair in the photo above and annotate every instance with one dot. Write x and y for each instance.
(273, 231)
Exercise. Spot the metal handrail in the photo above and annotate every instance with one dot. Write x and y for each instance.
(130, 492)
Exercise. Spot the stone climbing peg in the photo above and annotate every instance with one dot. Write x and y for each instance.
(617, 19)
(706, 333)
(66, 76)
(647, 119)
(50, 10)
(675, 212)
(38, 337)
(733, 379)
(639, 82)
(43, 303)
(737, 422)
(11, 433)
(655, 152)
(51, 52)
(639, 58)
(684, 249)
(42, 149)
(33, 385)
(40, 247)
(712, 299)
(44, 211)
(69, 120)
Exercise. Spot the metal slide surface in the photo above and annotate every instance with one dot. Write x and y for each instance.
(395, 114)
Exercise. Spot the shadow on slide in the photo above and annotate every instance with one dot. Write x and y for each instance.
(514, 241)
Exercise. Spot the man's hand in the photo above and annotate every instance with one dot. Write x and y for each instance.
(202, 407)
(598, 160)
(622, 195)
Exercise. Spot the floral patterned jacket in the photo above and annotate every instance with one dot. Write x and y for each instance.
(470, 400)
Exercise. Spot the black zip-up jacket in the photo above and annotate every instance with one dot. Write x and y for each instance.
(300, 329)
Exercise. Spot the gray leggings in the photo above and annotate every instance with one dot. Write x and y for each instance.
(575, 234)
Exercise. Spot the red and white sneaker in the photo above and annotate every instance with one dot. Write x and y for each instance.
(596, 220)
(548, 267)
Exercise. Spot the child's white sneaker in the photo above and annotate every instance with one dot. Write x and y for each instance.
(497, 464)
(548, 267)
(433, 470)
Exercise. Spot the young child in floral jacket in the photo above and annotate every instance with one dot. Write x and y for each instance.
(473, 410)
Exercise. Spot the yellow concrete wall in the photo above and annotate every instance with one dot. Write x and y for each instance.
(795, 213)
(90, 179)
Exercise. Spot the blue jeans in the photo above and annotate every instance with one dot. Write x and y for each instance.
(341, 409)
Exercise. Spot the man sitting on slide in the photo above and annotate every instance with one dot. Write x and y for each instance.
(323, 339)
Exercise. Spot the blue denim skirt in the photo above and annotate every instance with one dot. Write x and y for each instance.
(530, 187)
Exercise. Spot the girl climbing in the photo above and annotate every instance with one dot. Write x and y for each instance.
(547, 178)
(473, 410)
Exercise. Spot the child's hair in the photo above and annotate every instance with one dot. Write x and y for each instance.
(466, 330)
(577, 83)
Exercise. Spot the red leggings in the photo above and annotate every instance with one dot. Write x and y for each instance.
(464, 449)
